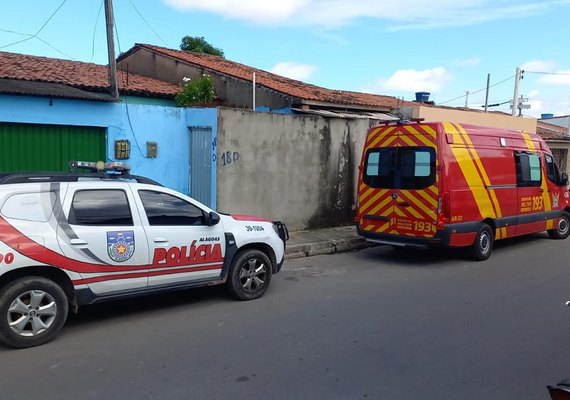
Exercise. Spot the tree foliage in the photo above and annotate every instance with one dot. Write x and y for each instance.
(197, 44)
(196, 92)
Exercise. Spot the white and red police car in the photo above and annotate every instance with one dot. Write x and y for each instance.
(69, 239)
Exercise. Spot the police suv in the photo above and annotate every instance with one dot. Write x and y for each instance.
(69, 239)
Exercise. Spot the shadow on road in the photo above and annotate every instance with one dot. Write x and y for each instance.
(148, 304)
(442, 256)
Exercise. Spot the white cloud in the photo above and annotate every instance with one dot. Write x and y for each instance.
(301, 72)
(539, 65)
(410, 80)
(557, 78)
(411, 14)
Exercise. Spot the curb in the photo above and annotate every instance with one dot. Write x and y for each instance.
(325, 247)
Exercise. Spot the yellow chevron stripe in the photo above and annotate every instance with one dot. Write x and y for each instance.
(408, 141)
(428, 198)
(381, 136)
(409, 196)
(381, 205)
(420, 136)
(430, 131)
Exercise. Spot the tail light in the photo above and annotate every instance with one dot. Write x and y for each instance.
(443, 211)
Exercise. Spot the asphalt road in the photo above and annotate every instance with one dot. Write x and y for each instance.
(374, 324)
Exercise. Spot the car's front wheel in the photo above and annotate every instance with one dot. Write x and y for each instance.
(249, 275)
(562, 229)
(32, 311)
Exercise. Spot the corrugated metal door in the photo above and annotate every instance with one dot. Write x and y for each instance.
(30, 147)
(200, 173)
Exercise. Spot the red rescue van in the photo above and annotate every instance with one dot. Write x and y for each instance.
(458, 185)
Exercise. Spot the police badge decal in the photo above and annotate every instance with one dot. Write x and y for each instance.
(120, 245)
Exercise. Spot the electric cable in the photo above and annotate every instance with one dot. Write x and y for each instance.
(478, 91)
(147, 24)
(38, 32)
(95, 30)
(41, 40)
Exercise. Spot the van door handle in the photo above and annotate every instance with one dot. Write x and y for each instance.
(78, 242)
(160, 240)
(541, 190)
(404, 204)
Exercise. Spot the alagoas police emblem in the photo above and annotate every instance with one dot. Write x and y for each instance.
(120, 245)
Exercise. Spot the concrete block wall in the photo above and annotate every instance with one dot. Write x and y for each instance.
(299, 169)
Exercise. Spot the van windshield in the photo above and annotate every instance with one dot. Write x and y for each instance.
(400, 167)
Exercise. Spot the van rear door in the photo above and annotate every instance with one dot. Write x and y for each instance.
(399, 192)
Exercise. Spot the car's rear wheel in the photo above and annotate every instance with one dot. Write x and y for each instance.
(562, 229)
(32, 311)
(249, 275)
(481, 249)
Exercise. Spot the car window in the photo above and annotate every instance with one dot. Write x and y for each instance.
(100, 207)
(552, 172)
(165, 209)
(528, 169)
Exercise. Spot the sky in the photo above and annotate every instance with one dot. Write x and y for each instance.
(394, 48)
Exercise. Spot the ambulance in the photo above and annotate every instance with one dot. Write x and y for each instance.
(457, 185)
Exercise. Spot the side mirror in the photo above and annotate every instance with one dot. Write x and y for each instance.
(564, 179)
(213, 219)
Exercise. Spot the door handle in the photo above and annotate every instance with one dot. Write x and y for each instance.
(404, 204)
(78, 242)
(160, 240)
(541, 190)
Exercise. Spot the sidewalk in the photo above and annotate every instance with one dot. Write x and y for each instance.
(324, 241)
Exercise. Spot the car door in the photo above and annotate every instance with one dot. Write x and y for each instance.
(183, 247)
(529, 192)
(103, 237)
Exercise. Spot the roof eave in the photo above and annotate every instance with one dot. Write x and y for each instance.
(313, 103)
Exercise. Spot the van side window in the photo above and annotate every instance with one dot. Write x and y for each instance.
(528, 169)
(552, 172)
(400, 167)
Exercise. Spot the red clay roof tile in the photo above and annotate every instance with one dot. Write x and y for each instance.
(92, 77)
(290, 87)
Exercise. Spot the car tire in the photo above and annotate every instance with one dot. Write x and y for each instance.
(481, 249)
(563, 229)
(250, 274)
(32, 311)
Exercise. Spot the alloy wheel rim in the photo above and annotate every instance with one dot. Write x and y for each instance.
(31, 313)
(484, 243)
(563, 226)
(252, 275)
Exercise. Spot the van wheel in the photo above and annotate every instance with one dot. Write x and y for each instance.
(32, 311)
(249, 275)
(483, 245)
(563, 229)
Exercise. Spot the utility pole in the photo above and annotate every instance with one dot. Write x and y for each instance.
(111, 49)
(466, 98)
(516, 95)
(487, 92)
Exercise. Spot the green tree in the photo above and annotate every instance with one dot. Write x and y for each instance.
(195, 92)
(197, 44)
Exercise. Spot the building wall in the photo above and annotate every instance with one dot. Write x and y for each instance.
(139, 123)
(433, 114)
(233, 91)
(299, 169)
(563, 122)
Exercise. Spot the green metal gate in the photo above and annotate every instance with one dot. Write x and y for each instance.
(30, 147)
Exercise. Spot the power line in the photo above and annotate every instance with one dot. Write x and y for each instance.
(95, 30)
(147, 24)
(546, 73)
(31, 36)
(38, 32)
(478, 91)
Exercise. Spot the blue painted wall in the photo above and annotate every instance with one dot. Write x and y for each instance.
(139, 123)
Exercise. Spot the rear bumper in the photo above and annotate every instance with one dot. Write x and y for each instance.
(456, 235)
